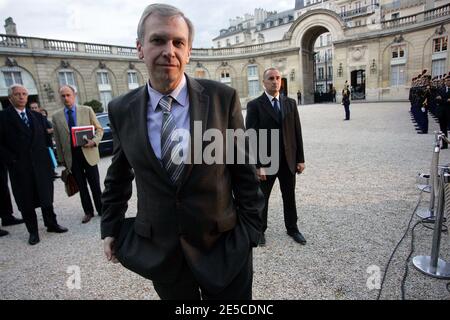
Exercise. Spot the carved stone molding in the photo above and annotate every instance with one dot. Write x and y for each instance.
(11, 62)
(65, 64)
(440, 30)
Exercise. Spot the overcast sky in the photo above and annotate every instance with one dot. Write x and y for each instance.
(115, 21)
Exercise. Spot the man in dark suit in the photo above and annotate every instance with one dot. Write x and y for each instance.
(272, 112)
(24, 150)
(443, 108)
(196, 223)
(6, 209)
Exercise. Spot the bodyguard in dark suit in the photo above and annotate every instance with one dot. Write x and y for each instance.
(272, 111)
(23, 148)
(196, 223)
(443, 108)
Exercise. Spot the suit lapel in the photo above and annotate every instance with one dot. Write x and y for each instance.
(17, 121)
(198, 112)
(267, 105)
(138, 110)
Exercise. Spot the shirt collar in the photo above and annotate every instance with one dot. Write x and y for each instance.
(272, 97)
(180, 94)
(74, 107)
(20, 111)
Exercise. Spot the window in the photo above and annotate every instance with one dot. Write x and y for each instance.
(105, 98)
(397, 75)
(321, 74)
(237, 39)
(330, 72)
(395, 15)
(218, 44)
(12, 77)
(328, 39)
(102, 78)
(66, 78)
(440, 44)
(398, 52)
(253, 81)
(438, 67)
(357, 23)
(225, 77)
(228, 43)
(133, 82)
(343, 11)
(321, 41)
(104, 87)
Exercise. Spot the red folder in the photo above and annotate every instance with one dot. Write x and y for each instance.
(80, 135)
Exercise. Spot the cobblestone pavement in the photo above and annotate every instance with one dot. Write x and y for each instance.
(354, 202)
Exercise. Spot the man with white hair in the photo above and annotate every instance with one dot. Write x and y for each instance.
(24, 149)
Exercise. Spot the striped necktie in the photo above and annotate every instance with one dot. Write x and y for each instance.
(170, 149)
(24, 117)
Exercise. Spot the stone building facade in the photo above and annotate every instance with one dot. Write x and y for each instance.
(392, 42)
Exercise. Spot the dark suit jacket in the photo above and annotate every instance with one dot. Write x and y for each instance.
(212, 219)
(261, 115)
(443, 106)
(25, 152)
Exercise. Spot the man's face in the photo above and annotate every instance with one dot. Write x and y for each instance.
(34, 107)
(447, 82)
(165, 51)
(67, 97)
(272, 82)
(19, 98)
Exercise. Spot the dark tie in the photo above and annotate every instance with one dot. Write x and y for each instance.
(71, 120)
(168, 146)
(276, 107)
(24, 117)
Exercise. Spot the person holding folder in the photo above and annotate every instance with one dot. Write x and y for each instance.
(80, 160)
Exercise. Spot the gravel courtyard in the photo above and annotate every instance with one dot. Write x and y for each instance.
(354, 202)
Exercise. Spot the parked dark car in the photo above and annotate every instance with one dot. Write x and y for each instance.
(106, 145)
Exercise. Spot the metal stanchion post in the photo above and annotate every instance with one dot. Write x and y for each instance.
(432, 265)
(427, 213)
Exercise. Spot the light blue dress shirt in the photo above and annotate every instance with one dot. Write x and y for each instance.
(180, 112)
(74, 114)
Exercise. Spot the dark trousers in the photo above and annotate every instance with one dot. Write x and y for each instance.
(84, 173)
(287, 186)
(443, 125)
(6, 209)
(187, 288)
(347, 111)
(30, 218)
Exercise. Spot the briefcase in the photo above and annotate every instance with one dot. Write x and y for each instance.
(69, 182)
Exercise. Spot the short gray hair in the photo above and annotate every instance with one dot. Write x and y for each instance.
(74, 90)
(13, 87)
(270, 69)
(164, 10)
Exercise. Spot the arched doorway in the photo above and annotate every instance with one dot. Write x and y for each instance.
(358, 84)
(10, 75)
(305, 31)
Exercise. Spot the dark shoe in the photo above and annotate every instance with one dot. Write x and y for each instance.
(3, 233)
(57, 229)
(87, 218)
(34, 239)
(11, 221)
(262, 240)
(298, 237)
